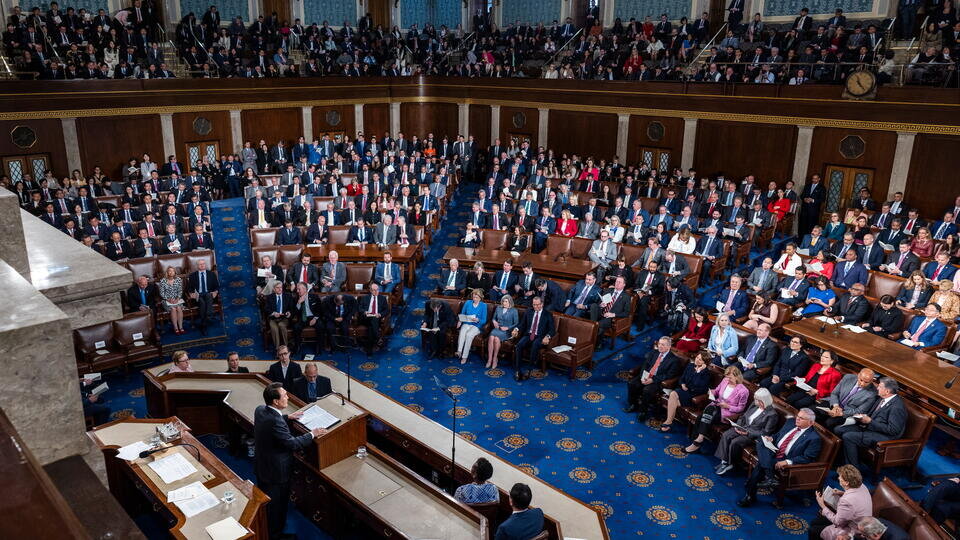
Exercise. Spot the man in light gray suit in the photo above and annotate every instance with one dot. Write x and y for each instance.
(588, 228)
(763, 278)
(438, 190)
(333, 274)
(854, 394)
(385, 232)
(653, 253)
(603, 252)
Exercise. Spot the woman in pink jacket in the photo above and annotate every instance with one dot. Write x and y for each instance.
(855, 502)
(728, 400)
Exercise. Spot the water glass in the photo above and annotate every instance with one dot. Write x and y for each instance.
(361, 452)
(229, 496)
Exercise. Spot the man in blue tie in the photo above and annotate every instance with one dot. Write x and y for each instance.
(503, 281)
(311, 386)
(204, 288)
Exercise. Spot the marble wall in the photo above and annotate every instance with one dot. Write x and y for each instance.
(530, 11)
(333, 11)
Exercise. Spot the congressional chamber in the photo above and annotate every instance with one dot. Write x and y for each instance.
(467, 269)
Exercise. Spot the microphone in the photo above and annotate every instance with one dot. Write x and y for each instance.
(343, 400)
(949, 384)
(146, 453)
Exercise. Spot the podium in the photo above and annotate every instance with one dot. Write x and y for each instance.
(343, 438)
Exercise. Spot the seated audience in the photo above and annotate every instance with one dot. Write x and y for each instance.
(524, 522)
(797, 443)
(481, 490)
(759, 420)
(854, 504)
(694, 382)
(822, 378)
(727, 401)
(311, 386)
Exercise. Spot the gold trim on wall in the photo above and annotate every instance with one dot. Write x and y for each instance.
(938, 129)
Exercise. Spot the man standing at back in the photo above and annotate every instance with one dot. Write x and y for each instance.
(274, 447)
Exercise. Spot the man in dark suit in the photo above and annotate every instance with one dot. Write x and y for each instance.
(274, 446)
(854, 394)
(811, 205)
(536, 327)
(886, 420)
(870, 252)
(901, 262)
(852, 307)
(525, 287)
(311, 386)
(551, 294)
(338, 311)
(360, 233)
(524, 522)
(199, 239)
(284, 370)
(710, 246)
(171, 242)
(373, 309)
(116, 248)
(288, 235)
(142, 295)
(849, 271)
(307, 309)
(758, 352)
(581, 295)
(939, 268)
(793, 362)
(504, 281)
(544, 226)
(646, 380)
(203, 286)
(453, 280)
(437, 314)
(797, 443)
(733, 299)
(303, 271)
(144, 246)
(648, 285)
(617, 307)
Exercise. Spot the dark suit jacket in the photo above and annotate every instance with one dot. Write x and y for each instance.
(875, 258)
(133, 296)
(844, 279)
(544, 325)
(442, 319)
(275, 445)
(111, 252)
(764, 424)
(521, 526)
(910, 262)
(460, 282)
(498, 277)
(890, 321)
(669, 367)
(715, 249)
(288, 237)
(739, 304)
(656, 284)
(382, 310)
(354, 234)
(553, 297)
(766, 354)
(806, 449)
(853, 309)
(791, 364)
(194, 243)
(296, 269)
(300, 388)
(889, 422)
(193, 282)
(275, 374)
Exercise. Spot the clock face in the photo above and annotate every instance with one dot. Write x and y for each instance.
(860, 83)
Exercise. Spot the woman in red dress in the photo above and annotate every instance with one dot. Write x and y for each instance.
(566, 225)
(780, 206)
(697, 332)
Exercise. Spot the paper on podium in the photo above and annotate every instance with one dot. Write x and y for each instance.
(352, 244)
(801, 384)
(188, 491)
(854, 329)
(226, 529)
(172, 468)
(132, 451)
(316, 417)
(769, 444)
(203, 500)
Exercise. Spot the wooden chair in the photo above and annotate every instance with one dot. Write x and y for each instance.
(891, 503)
(176, 260)
(494, 239)
(337, 234)
(146, 266)
(98, 337)
(905, 451)
(194, 257)
(137, 337)
(580, 335)
(263, 237)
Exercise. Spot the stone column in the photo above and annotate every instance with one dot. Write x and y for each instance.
(394, 118)
(901, 163)
(801, 157)
(463, 119)
(494, 123)
(307, 113)
(13, 249)
(166, 130)
(689, 143)
(236, 130)
(72, 143)
(623, 135)
(543, 126)
(358, 118)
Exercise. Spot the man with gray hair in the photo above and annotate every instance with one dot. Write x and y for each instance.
(796, 443)
(872, 528)
(886, 420)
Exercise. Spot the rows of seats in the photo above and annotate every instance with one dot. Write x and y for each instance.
(121, 343)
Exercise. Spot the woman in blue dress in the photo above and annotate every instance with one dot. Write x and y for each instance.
(505, 319)
(476, 312)
(819, 297)
(723, 340)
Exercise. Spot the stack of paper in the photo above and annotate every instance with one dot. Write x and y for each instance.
(186, 492)
(562, 349)
(949, 357)
(172, 468)
(801, 384)
(193, 499)
(854, 329)
(132, 451)
(316, 417)
(226, 529)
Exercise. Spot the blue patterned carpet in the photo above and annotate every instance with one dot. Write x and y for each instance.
(572, 434)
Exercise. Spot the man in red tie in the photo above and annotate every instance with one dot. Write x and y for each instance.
(373, 309)
(795, 444)
(613, 304)
(536, 329)
(646, 380)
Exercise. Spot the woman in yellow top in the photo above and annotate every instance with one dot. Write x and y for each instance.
(948, 300)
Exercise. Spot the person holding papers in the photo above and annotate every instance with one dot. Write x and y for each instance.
(886, 420)
(92, 406)
(274, 446)
(646, 380)
(614, 304)
(852, 307)
(760, 420)
(710, 248)
(792, 290)
(813, 242)
(839, 517)
(926, 331)
(333, 274)
(819, 298)
(697, 333)
(733, 299)
(312, 386)
(819, 381)
(648, 285)
(886, 319)
(723, 340)
(727, 401)
(437, 319)
(820, 266)
(901, 262)
(854, 394)
(849, 271)
(788, 261)
(694, 382)
(915, 292)
(796, 443)
(759, 352)
(473, 316)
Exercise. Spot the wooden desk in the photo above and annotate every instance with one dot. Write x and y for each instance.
(406, 256)
(129, 478)
(414, 440)
(543, 264)
(922, 373)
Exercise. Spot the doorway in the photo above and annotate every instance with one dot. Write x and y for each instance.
(199, 150)
(656, 158)
(380, 12)
(36, 165)
(282, 7)
(843, 183)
